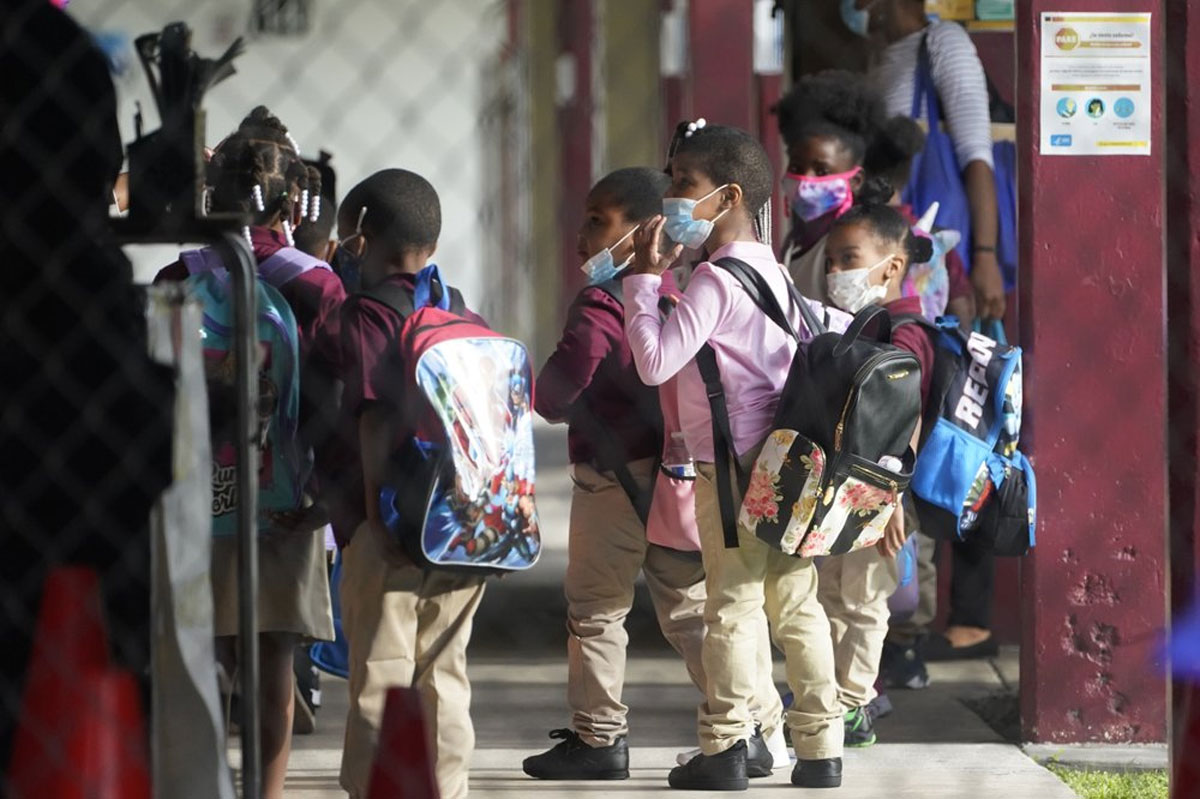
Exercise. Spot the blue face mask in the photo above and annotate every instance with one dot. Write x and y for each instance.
(600, 268)
(681, 223)
(857, 21)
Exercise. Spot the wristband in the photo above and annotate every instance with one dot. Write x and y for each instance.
(982, 248)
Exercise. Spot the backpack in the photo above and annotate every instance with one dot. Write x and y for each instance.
(970, 478)
(668, 509)
(460, 490)
(816, 487)
(930, 281)
(281, 267)
(284, 465)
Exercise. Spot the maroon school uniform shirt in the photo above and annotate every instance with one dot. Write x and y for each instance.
(914, 338)
(315, 298)
(370, 332)
(593, 368)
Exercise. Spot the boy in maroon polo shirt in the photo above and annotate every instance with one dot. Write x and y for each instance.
(867, 256)
(406, 626)
(614, 420)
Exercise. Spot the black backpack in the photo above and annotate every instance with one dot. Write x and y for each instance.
(817, 487)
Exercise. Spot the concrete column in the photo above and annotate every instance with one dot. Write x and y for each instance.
(1093, 314)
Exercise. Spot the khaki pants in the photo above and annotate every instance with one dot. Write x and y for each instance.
(607, 548)
(742, 582)
(406, 627)
(854, 590)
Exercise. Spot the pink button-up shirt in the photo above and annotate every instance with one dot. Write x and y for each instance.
(753, 353)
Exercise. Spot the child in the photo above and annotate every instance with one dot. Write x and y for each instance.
(405, 625)
(867, 256)
(257, 170)
(827, 121)
(888, 165)
(721, 177)
(614, 418)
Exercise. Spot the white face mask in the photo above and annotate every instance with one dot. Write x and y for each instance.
(852, 290)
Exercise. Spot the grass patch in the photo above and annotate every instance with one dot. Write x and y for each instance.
(1113, 784)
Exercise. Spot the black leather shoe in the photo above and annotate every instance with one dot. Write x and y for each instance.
(723, 772)
(825, 773)
(759, 760)
(575, 760)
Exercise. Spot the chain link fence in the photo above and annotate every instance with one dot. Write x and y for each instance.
(510, 108)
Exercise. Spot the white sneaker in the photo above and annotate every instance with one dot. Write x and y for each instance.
(777, 746)
(683, 758)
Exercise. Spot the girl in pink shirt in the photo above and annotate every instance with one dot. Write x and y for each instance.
(721, 177)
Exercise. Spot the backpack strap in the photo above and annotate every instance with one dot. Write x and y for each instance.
(722, 435)
(286, 264)
(400, 298)
(394, 295)
(610, 454)
(706, 360)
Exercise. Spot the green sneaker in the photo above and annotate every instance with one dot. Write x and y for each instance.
(860, 728)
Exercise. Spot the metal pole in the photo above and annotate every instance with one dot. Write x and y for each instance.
(245, 329)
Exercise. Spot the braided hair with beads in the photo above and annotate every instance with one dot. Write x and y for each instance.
(258, 171)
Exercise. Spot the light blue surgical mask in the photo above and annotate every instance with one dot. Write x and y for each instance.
(681, 224)
(600, 268)
(857, 21)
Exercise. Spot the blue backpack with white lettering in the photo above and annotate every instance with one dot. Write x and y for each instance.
(971, 480)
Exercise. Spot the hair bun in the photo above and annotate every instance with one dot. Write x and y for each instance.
(920, 249)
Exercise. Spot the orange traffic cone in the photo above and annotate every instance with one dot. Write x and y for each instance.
(69, 643)
(403, 763)
(106, 743)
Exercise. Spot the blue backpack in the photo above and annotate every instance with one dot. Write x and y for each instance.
(283, 463)
(970, 479)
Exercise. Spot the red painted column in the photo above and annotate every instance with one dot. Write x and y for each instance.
(1092, 322)
(1183, 340)
(722, 60)
(576, 29)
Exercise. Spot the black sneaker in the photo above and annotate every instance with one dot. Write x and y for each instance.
(575, 760)
(723, 772)
(825, 773)
(880, 707)
(759, 760)
(860, 728)
(903, 667)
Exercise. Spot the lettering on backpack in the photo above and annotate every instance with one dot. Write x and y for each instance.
(970, 406)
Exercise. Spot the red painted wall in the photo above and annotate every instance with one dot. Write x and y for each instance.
(1092, 323)
(722, 60)
(575, 127)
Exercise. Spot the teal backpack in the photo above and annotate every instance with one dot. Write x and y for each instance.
(284, 465)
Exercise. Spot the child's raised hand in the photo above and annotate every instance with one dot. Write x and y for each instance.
(648, 258)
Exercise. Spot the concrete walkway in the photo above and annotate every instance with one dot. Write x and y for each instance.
(931, 747)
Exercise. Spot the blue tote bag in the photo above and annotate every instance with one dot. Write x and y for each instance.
(936, 176)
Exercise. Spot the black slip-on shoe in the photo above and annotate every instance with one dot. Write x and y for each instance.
(759, 760)
(723, 772)
(825, 773)
(575, 760)
(938, 649)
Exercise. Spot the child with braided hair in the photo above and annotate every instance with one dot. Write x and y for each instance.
(258, 171)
